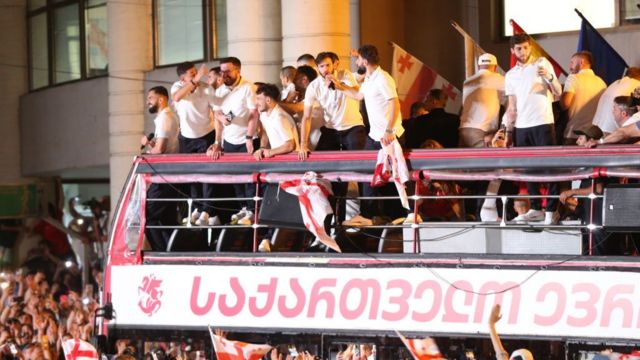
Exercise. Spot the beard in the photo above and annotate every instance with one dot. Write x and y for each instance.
(229, 81)
(153, 109)
(361, 70)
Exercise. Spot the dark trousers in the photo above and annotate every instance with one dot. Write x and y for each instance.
(198, 190)
(350, 139)
(160, 213)
(390, 208)
(541, 135)
(243, 190)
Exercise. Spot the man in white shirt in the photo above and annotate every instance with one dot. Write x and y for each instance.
(530, 87)
(197, 130)
(279, 135)
(383, 108)
(580, 96)
(482, 94)
(238, 115)
(165, 142)
(623, 87)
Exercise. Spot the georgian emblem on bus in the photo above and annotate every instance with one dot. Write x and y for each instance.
(149, 294)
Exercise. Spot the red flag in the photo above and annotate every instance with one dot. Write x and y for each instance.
(422, 349)
(76, 349)
(536, 51)
(414, 80)
(237, 350)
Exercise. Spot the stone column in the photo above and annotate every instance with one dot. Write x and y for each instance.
(130, 55)
(14, 75)
(311, 26)
(255, 37)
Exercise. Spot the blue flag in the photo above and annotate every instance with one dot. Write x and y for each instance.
(607, 63)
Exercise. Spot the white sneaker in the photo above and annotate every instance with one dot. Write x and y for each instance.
(195, 215)
(531, 215)
(214, 221)
(412, 219)
(247, 219)
(265, 246)
(489, 213)
(239, 215)
(358, 220)
(203, 219)
(551, 217)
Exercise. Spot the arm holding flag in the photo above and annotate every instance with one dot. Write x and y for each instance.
(389, 133)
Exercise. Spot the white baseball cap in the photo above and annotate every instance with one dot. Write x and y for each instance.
(487, 59)
(523, 353)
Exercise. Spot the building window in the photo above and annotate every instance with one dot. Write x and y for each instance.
(67, 41)
(630, 11)
(188, 30)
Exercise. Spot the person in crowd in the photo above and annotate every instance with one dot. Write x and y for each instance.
(216, 91)
(238, 114)
(603, 117)
(287, 80)
(306, 60)
(439, 209)
(580, 95)
(279, 135)
(437, 124)
(501, 353)
(417, 108)
(624, 113)
(385, 121)
(197, 129)
(482, 94)
(165, 142)
(530, 87)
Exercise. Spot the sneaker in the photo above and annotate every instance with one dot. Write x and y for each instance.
(195, 215)
(412, 219)
(247, 219)
(551, 218)
(531, 215)
(214, 221)
(358, 220)
(239, 215)
(203, 219)
(265, 246)
(489, 214)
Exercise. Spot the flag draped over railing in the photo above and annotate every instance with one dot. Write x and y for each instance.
(607, 63)
(414, 79)
(536, 51)
(237, 350)
(422, 349)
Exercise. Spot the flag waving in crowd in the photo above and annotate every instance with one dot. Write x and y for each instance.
(237, 350)
(414, 80)
(422, 349)
(76, 349)
(536, 51)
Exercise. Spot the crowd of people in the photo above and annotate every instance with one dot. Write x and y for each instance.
(321, 105)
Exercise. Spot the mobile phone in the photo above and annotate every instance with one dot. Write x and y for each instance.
(13, 348)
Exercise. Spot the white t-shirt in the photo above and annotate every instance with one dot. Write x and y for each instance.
(217, 95)
(287, 90)
(280, 127)
(340, 111)
(482, 94)
(378, 88)
(604, 115)
(587, 88)
(193, 111)
(533, 98)
(167, 127)
(631, 120)
(241, 101)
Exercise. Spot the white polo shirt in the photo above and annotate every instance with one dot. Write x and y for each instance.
(604, 115)
(241, 101)
(193, 111)
(378, 88)
(533, 98)
(217, 95)
(482, 94)
(167, 127)
(280, 127)
(340, 111)
(587, 88)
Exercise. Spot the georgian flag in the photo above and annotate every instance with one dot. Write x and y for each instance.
(391, 166)
(237, 350)
(422, 349)
(313, 192)
(414, 80)
(76, 349)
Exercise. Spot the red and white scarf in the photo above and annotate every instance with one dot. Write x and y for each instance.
(313, 193)
(391, 165)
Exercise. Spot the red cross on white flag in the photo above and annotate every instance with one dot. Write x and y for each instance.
(237, 350)
(76, 349)
(414, 80)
